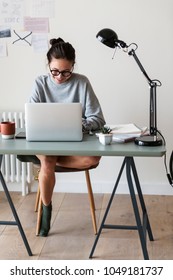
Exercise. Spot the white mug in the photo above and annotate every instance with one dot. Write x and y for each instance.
(105, 139)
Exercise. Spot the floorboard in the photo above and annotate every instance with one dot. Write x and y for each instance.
(71, 236)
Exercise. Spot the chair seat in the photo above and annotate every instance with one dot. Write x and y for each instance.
(34, 159)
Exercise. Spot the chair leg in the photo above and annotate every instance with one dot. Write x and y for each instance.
(38, 192)
(37, 200)
(38, 205)
(91, 200)
(39, 214)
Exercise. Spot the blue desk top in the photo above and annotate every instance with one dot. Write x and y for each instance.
(89, 146)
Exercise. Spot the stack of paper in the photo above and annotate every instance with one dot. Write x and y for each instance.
(126, 132)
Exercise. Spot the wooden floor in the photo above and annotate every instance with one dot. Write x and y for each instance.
(71, 235)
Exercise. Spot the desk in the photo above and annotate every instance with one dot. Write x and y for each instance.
(90, 146)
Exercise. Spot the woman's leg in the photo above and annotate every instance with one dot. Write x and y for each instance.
(46, 183)
(47, 177)
(47, 180)
(79, 162)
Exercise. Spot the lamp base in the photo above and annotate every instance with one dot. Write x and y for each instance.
(148, 140)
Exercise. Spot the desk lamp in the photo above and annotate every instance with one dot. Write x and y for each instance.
(109, 38)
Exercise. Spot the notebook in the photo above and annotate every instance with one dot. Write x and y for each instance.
(53, 121)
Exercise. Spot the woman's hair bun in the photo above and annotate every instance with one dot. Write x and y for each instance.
(56, 41)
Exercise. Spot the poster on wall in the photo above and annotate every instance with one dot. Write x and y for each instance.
(5, 32)
(40, 43)
(36, 25)
(3, 49)
(11, 11)
(43, 8)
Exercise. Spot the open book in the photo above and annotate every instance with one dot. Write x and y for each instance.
(126, 132)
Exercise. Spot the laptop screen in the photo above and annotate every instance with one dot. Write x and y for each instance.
(53, 121)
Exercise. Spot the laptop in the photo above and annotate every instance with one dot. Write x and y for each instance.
(53, 121)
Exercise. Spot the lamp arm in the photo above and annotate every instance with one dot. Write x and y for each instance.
(133, 53)
(153, 86)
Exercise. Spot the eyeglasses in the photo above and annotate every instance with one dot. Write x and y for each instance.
(64, 73)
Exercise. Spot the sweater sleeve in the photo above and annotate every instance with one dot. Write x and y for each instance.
(93, 118)
(38, 90)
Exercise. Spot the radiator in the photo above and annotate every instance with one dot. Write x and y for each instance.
(12, 169)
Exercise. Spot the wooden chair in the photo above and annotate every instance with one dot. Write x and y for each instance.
(38, 203)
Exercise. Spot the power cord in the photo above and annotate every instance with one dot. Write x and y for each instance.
(170, 173)
(170, 176)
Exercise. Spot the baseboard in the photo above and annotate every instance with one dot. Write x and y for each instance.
(107, 187)
(98, 187)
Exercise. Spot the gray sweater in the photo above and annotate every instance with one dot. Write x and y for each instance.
(76, 89)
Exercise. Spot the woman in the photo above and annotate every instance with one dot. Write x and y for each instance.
(62, 85)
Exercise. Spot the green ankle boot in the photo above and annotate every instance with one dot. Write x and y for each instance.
(45, 220)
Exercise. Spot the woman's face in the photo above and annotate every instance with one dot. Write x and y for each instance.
(61, 69)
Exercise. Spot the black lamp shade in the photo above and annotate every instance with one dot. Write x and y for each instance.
(108, 37)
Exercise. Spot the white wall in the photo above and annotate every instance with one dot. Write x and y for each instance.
(120, 86)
